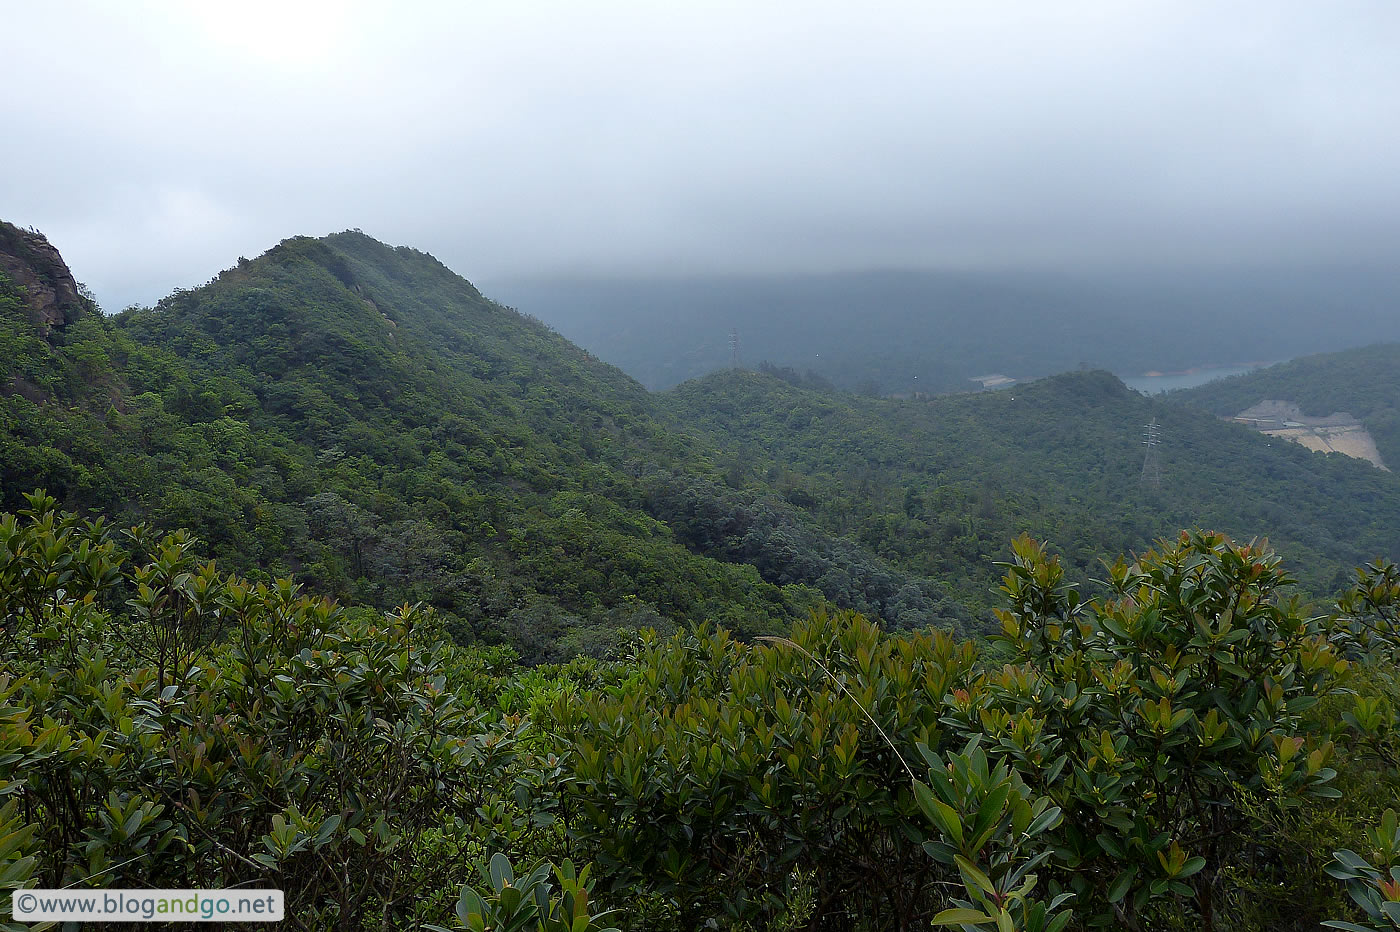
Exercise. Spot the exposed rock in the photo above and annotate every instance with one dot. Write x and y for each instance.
(29, 260)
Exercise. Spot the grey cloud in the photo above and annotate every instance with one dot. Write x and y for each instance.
(156, 142)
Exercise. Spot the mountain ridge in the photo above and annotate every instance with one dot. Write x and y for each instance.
(938, 485)
(360, 415)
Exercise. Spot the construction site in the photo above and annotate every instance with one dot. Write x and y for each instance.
(1336, 433)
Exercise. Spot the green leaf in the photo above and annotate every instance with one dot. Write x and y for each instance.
(500, 870)
(940, 813)
(510, 899)
(957, 917)
(991, 809)
(469, 904)
(1043, 821)
(1192, 866)
(1121, 883)
(328, 828)
(1351, 859)
(973, 874)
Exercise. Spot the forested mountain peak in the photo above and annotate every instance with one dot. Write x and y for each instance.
(360, 415)
(1088, 385)
(342, 281)
(375, 328)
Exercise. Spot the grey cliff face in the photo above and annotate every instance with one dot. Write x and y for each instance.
(29, 260)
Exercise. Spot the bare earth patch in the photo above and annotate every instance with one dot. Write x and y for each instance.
(1335, 433)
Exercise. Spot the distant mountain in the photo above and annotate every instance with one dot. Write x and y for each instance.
(936, 331)
(360, 415)
(938, 486)
(1362, 382)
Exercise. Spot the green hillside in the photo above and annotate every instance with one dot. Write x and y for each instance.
(362, 416)
(1364, 382)
(1170, 741)
(938, 486)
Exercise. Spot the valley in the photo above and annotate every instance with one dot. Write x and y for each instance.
(710, 467)
(336, 512)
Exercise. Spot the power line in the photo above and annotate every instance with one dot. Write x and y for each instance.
(1151, 464)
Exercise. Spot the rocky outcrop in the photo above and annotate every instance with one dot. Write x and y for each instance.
(46, 286)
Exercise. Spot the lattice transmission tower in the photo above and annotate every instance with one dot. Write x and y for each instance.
(1151, 464)
(734, 360)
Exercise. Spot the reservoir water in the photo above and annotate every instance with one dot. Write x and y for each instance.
(1156, 382)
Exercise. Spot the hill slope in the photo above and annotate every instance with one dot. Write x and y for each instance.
(361, 415)
(1363, 382)
(938, 487)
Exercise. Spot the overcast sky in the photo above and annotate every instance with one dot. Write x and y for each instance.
(156, 142)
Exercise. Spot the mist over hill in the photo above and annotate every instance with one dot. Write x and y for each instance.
(904, 331)
(479, 592)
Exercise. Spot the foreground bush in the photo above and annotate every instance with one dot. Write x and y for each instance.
(1169, 725)
(1187, 753)
(164, 725)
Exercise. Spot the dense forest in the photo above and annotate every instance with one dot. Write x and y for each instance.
(364, 417)
(1194, 751)
(344, 579)
(938, 486)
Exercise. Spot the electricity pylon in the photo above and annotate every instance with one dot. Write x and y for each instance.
(1151, 465)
